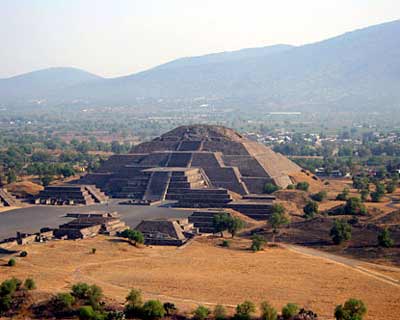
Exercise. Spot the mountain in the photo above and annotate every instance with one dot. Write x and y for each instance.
(359, 70)
(38, 85)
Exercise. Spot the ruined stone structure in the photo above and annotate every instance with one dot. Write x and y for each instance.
(71, 195)
(87, 225)
(166, 232)
(203, 220)
(199, 166)
(7, 200)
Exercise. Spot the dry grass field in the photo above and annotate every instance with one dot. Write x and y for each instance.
(205, 273)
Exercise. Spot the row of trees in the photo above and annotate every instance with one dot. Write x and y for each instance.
(87, 302)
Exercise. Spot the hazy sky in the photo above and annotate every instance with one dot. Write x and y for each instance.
(118, 37)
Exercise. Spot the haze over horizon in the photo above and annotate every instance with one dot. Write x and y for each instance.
(130, 36)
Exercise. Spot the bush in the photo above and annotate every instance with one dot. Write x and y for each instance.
(354, 206)
(8, 287)
(291, 187)
(91, 294)
(257, 243)
(391, 187)
(115, 315)
(270, 188)
(364, 195)
(86, 313)
(170, 308)
(290, 310)
(384, 239)
(11, 262)
(353, 309)
(340, 232)
(29, 284)
(63, 302)
(153, 309)
(225, 243)
(23, 254)
(219, 312)
(5, 303)
(268, 312)
(376, 196)
(94, 250)
(343, 195)
(80, 290)
(244, 311)
(135, 236)
(310, 209)
(303, 186)
(134, 302)
(201, 313)
(320, 196)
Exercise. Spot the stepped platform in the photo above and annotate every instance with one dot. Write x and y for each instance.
(203, 220)
(260, 210)
(7, 200)
(71, 194)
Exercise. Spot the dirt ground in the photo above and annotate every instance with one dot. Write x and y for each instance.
(204, 273)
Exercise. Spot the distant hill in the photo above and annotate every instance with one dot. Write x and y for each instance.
(41, 84)
(359, 70)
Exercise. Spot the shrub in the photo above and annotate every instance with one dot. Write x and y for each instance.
(63, 302)
(310, 209)
(364, 195)
(343, 195)
(303, 186)
(270, 188)
(291, 187)
(8, 287)
(5, 303)
(225, 243)
(115, 315)
(353, 309)
(80, 290)
(135, 236)
(87, 313)
(320, 196)
(11, 262)
(23, 254)
(257, 243)
(244, 311)
(376, 196)
(340, 232)
(219, 312)
(354, 206)
(29, 284)
(235, 224)
(134, 298)
(170, 308)
(268, 312)
(391, 187)
(384, 239)
(201, 313)
(94, 250)
(290, 310)
(153, 309)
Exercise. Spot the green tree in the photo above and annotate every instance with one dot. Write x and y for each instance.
(290, 310)
(270, 188)
(63, 302)
(319, 196)
(134, 236)
(384, 239)
(46, 180)
(235, 224)
(310, 209)
(201, 313)
(221, 222)
(134, 303)
(244, 310)
(29, 284)
(364, 195)
(340, 232)
(304, 186)
(257, 243)
(153, 309)
(170, 308)
(343, 196)
(219, 312)
(354, 206)
(268, 312)
(277, 219)
(11, 262)
(353, 309)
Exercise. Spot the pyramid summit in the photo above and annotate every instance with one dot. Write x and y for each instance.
(193, 163)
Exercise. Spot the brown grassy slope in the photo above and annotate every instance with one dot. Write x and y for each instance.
(205, 273)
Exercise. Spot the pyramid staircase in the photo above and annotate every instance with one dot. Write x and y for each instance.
(98, 195)
(71, 195)
(135, 187)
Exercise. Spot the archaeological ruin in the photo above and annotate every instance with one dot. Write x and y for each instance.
(7, 200)
(197, 166)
